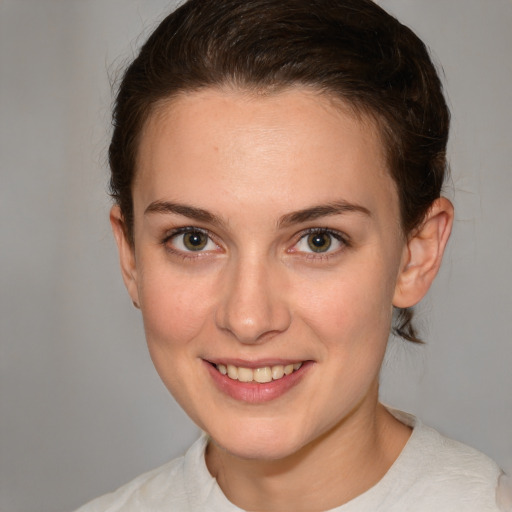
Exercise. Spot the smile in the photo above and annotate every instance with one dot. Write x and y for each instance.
(261, 375)
(257, 383)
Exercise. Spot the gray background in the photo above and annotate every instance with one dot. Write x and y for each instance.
(81, 408)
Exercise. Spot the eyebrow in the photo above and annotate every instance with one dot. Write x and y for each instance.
(297, 217)
(192, 212)
(315, 212)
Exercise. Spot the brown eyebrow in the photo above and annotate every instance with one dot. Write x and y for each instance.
(191, 212)
(315, 212)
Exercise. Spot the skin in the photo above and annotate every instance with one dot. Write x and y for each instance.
(258, 292)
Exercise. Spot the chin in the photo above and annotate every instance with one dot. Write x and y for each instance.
(263, 440)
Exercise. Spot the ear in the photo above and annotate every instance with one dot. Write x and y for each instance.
(423, 254)
(126, 254)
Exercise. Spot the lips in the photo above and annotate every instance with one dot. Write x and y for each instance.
(253, 382)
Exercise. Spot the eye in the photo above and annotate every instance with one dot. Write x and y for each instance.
(320, 241)
(191, 240)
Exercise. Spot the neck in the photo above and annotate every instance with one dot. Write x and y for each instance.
(333, 469)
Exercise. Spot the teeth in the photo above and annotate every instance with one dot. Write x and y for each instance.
(232, 372)
(261, 375)
(277, 371)
(245, 374)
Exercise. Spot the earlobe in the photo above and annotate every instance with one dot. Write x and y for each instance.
(423, 254)
(126, 254)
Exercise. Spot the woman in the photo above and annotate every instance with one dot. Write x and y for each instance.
(277, 171)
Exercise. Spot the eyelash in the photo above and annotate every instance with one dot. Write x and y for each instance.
(310, 255)
(186, 255)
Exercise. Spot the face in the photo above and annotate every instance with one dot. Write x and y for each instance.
(268, 247)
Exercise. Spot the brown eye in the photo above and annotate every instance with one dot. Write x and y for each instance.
(192, 240)
(195, 240)
(319, 242)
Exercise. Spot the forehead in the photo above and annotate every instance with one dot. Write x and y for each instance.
(279, 146)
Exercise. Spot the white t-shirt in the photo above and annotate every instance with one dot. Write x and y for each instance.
(432, 474)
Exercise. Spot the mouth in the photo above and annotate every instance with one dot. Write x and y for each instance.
(257, 383)
(261, 375)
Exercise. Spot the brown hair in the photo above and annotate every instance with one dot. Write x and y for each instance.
(349, 49)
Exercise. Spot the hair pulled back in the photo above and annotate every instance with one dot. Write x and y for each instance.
(349, 49)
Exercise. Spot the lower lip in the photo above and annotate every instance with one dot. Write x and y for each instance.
(254, 392)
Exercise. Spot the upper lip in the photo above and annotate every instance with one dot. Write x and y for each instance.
(259, 363)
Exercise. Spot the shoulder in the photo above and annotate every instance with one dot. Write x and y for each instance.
(138, 494)
(448, 475)
(458, 467)
(159, 488)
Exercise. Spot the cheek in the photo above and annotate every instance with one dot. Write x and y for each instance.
(351, 310)
(175, 307)
(176, 310)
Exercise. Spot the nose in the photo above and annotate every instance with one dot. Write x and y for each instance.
(252, 305)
